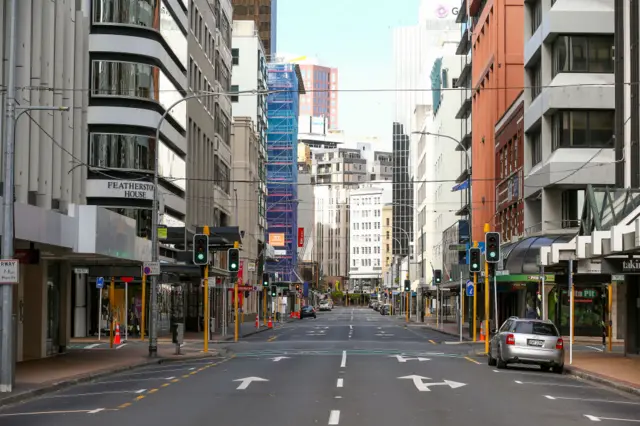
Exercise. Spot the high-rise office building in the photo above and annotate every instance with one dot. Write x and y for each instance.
(321, 99)
(264, 14)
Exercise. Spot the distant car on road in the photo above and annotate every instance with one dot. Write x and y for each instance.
(325, 306)
(527, 341)
(307, 311)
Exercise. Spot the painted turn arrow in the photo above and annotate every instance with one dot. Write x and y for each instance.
(403, 359)
(244, 383)
(424, 387)
(279, 358)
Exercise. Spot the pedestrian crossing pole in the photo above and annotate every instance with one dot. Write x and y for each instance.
(236, 330)
(205, 293)
(487, 298)
(475, 302)
(112, 295)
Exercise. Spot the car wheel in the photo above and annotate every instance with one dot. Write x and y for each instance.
(491, 361)
(558, 369)
(501, 364)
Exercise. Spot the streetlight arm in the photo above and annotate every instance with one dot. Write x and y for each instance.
(450, 138)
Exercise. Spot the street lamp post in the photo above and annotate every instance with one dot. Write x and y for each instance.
(469, 166)
(155, 247)
(7, 360)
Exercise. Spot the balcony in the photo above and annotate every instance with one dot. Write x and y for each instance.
(465, 108)
(465, 43)
(465, 73)
(462, 13)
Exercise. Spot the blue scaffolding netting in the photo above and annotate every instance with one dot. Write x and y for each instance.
(282, 167)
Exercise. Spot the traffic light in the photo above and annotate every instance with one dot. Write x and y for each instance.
(200, 249)
(233, 260)
(474, 259)
(437, 276)
(492, 246)
(407, 285)
(265, 280)
(274, 291)
(297, 287)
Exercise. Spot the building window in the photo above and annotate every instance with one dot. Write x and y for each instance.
(221, 175)
(536, 15)
(116, 151)
(593, 54)
(536, 148)
(582, 129)
(535, 75)
(142, 218)
(234, 89)
(235, 56)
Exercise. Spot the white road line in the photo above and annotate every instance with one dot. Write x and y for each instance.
(334, 417)
(97, 410)
(76, 395)
(338, 397)
(550, 384)
(132, 380)
(599, 419)
(92, 346)
(343, 364)
(140, 391)
(121, 346)
(350, 327)
(42, 413)
(496, 371)
(340, 383)
(595, 348)
(606, 401)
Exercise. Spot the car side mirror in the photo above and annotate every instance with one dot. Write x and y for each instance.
(494, 331)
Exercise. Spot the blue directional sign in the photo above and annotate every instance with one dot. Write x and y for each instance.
(100, 282)
(470, 289)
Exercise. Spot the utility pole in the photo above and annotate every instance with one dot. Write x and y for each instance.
(6, 295)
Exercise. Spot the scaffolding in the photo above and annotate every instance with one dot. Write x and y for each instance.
(282, 167)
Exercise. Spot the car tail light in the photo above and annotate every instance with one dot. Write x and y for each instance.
(511, 339)
(560, 343)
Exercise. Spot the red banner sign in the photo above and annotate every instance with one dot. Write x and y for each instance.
(300, 237)
(242, 288)
(241, 272)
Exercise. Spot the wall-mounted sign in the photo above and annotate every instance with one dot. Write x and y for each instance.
(101, 188)
(621, 266)
(276, 239)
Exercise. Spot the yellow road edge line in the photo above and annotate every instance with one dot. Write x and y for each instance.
(153, 391)
(164, 385)
(471, 360)
(138, 398)
(431, 341)
(175, 380)
(125, 405)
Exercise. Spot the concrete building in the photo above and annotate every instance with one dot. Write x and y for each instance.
(322, 98)
(341, 166)
(403, 207)
(248, 197)
(387, 242)
(440, 163)
(365, 235)
(569, 130)
(306, 215)
(264, 14)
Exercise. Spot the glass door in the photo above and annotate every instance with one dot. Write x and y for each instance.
(53, 308)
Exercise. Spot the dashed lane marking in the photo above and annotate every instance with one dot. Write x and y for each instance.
(334, 417)
(97, 410)
(46, 413)
(340, 383)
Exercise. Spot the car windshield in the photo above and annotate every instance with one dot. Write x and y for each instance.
(539, 328)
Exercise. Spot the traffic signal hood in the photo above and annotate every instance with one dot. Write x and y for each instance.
(492, 247)
(274, 291)
(265, 280)
(200, 249)
(407, 285)
(233, 260)
(474, 259)
(437, 276)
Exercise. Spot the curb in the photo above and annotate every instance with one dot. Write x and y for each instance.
(66, 383)
(591, 377)
(250, 333)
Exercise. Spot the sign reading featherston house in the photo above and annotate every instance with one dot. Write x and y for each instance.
(136, 190)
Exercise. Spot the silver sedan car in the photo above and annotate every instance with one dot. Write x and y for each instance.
(527, 341)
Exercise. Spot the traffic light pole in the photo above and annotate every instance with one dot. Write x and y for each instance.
(487, 298)
(264, 305)
(205, 293)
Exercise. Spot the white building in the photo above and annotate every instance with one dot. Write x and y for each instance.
(365, 235)
(439, 164)
(568, 129)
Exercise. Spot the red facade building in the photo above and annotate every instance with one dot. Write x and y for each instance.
(509, 161)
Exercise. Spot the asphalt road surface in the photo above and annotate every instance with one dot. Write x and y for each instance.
(350, 366)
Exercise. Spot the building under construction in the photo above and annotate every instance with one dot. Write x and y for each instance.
(285, 85)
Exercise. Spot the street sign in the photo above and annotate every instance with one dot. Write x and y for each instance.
(151, 268)
(80, 271)
(470, 289)
(100, 282)
(458, 247)
(9, 271)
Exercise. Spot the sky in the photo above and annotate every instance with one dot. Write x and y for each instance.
(355, 37)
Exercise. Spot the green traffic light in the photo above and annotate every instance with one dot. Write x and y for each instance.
(475, 265)
(492, 254)
(233, 266)
(200, 256)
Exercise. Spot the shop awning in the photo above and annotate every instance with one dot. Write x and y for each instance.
(520, 258)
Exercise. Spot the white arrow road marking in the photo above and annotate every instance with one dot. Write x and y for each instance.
(244, 383)
(97, 410)
(334, 417)
(599, 419)
(344, 359)
(400, 358)
(279, 358)
(340, 383)
(549, 384)
(424, 387)
(606, 401)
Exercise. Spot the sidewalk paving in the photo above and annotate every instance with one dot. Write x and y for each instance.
(88, 359)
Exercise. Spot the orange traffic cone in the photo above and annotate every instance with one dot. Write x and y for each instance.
(117, 337)
(482, 336)
(270, 323)
(257, 321)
